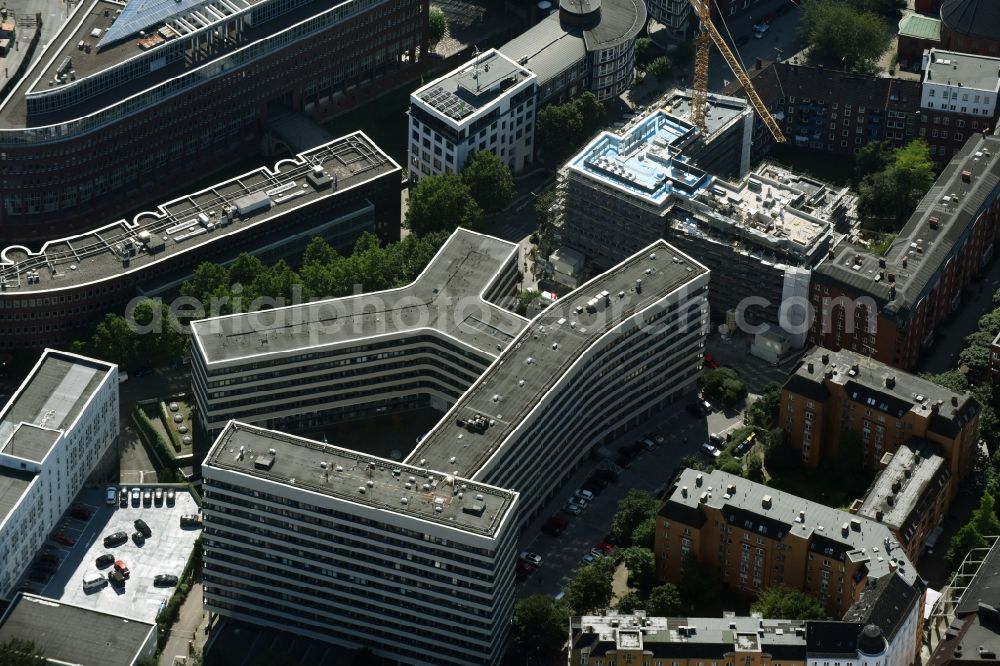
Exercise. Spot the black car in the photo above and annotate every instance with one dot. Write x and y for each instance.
(143, 528)
(694, 409)
(116, 578)
(164, 580)
(138, 538)
(171, 495)
(105, 560)
(116, 539)
(742, 39)
(48, 557)
(123, 498)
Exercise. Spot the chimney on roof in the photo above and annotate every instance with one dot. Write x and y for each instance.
(935, 408)
(905, 261)
(684, 491)
(881, 263)
(809, 367)
(826, 359)
(890, 381)
(954, 400)
(879, 515)
(766, 502)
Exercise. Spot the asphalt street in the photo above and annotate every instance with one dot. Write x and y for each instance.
(652, 470)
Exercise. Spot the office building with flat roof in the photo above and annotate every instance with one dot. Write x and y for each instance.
(322, 362)
(486, 104)
(587, 45)
(890, 307)
(54, 431)
(68, 634)
(129, 102)
(755, 537)
(338, 190)
(911, 494)
(832, 393)
(440, 528)
(760, 235)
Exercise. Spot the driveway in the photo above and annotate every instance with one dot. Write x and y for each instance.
(651, 471)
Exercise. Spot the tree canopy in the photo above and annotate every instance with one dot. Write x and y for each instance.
(539, 627)
(844, 36)
(147, 336)
(489, 180)
(787, 603)
(659, 67)
(590, 590)
(634, 509)
(664, 601)
(560, 129)
(441, 203)
(723, 386)
(764, 410)
(630, 602)
(437, 25)
(891, 193)
(640, 562)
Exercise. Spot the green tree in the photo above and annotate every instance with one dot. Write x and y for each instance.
(644, 534)
(437, 25)
(985, 517)
(633, 510)
(723, 386)
(629, 602)
(558, 131)
(659, 67)
(524, 299)
(892, 194)
(591, 113)
(764, 410)
(664, 601)
(871, 158)
(161, 340)
(787, 603)
(842, 36)
(590, 589)
(727, 463)
(640, 563)
(539, 627)
(645, 51)
(951, 379)
(245, 269)
(881, 247)
(441, 203)
(965, 539)
(490, 181)
(20, 652)
(207, 281)
(755, 468)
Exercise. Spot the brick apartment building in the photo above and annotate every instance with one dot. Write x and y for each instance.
(890, 307)
(755, 537)
(831, 394)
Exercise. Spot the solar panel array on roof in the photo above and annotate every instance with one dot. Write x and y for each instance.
(448, 103)
(141, 14)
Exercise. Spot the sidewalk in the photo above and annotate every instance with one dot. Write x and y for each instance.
(190, 626)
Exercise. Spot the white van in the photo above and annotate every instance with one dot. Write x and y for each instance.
(94, 581)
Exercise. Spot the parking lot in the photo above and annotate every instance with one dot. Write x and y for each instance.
(683, 435)
(166, 551)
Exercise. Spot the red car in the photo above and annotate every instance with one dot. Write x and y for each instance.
(65, 540)
(80, 513)
(121, 568)
(605, 547)
(710, 362)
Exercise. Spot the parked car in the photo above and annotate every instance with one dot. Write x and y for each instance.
(94, 582)
(121, 568)
(48, 558)
(742, 39)
(572, 509)
(158, 496)
(597, 553)
(171, 496)
(164, 580)
(524, 569)
(80, 512)
(624, 463)
(745, 445)
(760, 30)
(585, 495)
(105, 560)
(136, 496)
(111, 495)
(116, 578)
(711, 450)
(605, 547)
(656, 437)
(706, 407)
(143, 528)
(716, 440)
(65, 540)
(582, 503)
(138, 538)
(147, 498)
(695, 409)
(116, 539)
(191, 520)
(709, 362)
(123, 498)
(531, 558)
(588, 558)
(554, 525)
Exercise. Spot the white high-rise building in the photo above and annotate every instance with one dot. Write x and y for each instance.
(54, 431)
(486, 104)
(416, 559)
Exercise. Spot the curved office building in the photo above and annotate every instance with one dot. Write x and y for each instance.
(130, 101)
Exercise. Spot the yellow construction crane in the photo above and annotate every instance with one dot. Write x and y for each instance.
(708, 34)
